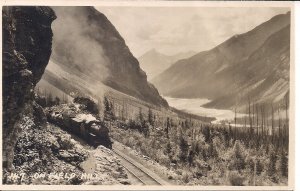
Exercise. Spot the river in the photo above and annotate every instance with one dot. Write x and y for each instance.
(194, 106)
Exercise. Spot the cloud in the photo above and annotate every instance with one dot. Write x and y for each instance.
(175, 29)
(147, 33)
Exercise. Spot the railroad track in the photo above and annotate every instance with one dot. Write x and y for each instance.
(134, 169)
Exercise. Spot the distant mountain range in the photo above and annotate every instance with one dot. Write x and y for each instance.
(90, 57)
(154, 62)
(254, 65)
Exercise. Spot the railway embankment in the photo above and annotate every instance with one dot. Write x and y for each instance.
(55, 152)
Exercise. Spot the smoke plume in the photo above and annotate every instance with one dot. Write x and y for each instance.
(73, 46)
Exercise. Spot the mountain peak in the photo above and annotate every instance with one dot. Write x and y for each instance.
(154, 62)
(153, 52)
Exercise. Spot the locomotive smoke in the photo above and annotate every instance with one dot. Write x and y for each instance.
(73, 44)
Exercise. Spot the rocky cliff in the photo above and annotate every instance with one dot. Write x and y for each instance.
(88, 51)
(27, 41)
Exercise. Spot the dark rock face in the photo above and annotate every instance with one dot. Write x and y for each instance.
(27, 41)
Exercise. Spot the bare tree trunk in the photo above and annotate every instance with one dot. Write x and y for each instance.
(262, 121)
(249, 112)
(254, 174)
(257, 130)
(267, 125)
(253, 116)
(235, 117)
(279, 127)
(286, 109)
(286, 116)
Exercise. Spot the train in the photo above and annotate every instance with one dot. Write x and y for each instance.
(85, 126)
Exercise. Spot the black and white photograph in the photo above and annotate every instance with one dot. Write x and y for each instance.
(158, 94)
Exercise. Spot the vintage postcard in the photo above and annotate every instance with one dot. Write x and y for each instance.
(175, 95)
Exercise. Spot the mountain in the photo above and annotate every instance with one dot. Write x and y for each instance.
(254, 64)
(267, 73)
(89, 57)
(154, 62)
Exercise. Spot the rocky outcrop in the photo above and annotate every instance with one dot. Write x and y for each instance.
(47, 151)
(27, 41)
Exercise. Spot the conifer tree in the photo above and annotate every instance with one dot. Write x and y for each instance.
(259, 167)
(183, 145)
(150, 117)
(191, 158)
(283, 164)
(168, 150)
(238, 158)
(271, 170)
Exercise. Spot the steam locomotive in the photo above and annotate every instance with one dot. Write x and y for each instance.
(85, 126)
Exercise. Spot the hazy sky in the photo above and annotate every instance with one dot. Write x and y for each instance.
(175, 29)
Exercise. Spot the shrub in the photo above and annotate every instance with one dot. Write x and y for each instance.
(162, 159)
(201, 168)
(186, 177)
(130, 142)
(235, 179)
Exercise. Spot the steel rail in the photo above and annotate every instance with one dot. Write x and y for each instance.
(135, 166)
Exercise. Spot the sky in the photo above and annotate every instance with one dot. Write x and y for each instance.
(172, 30)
